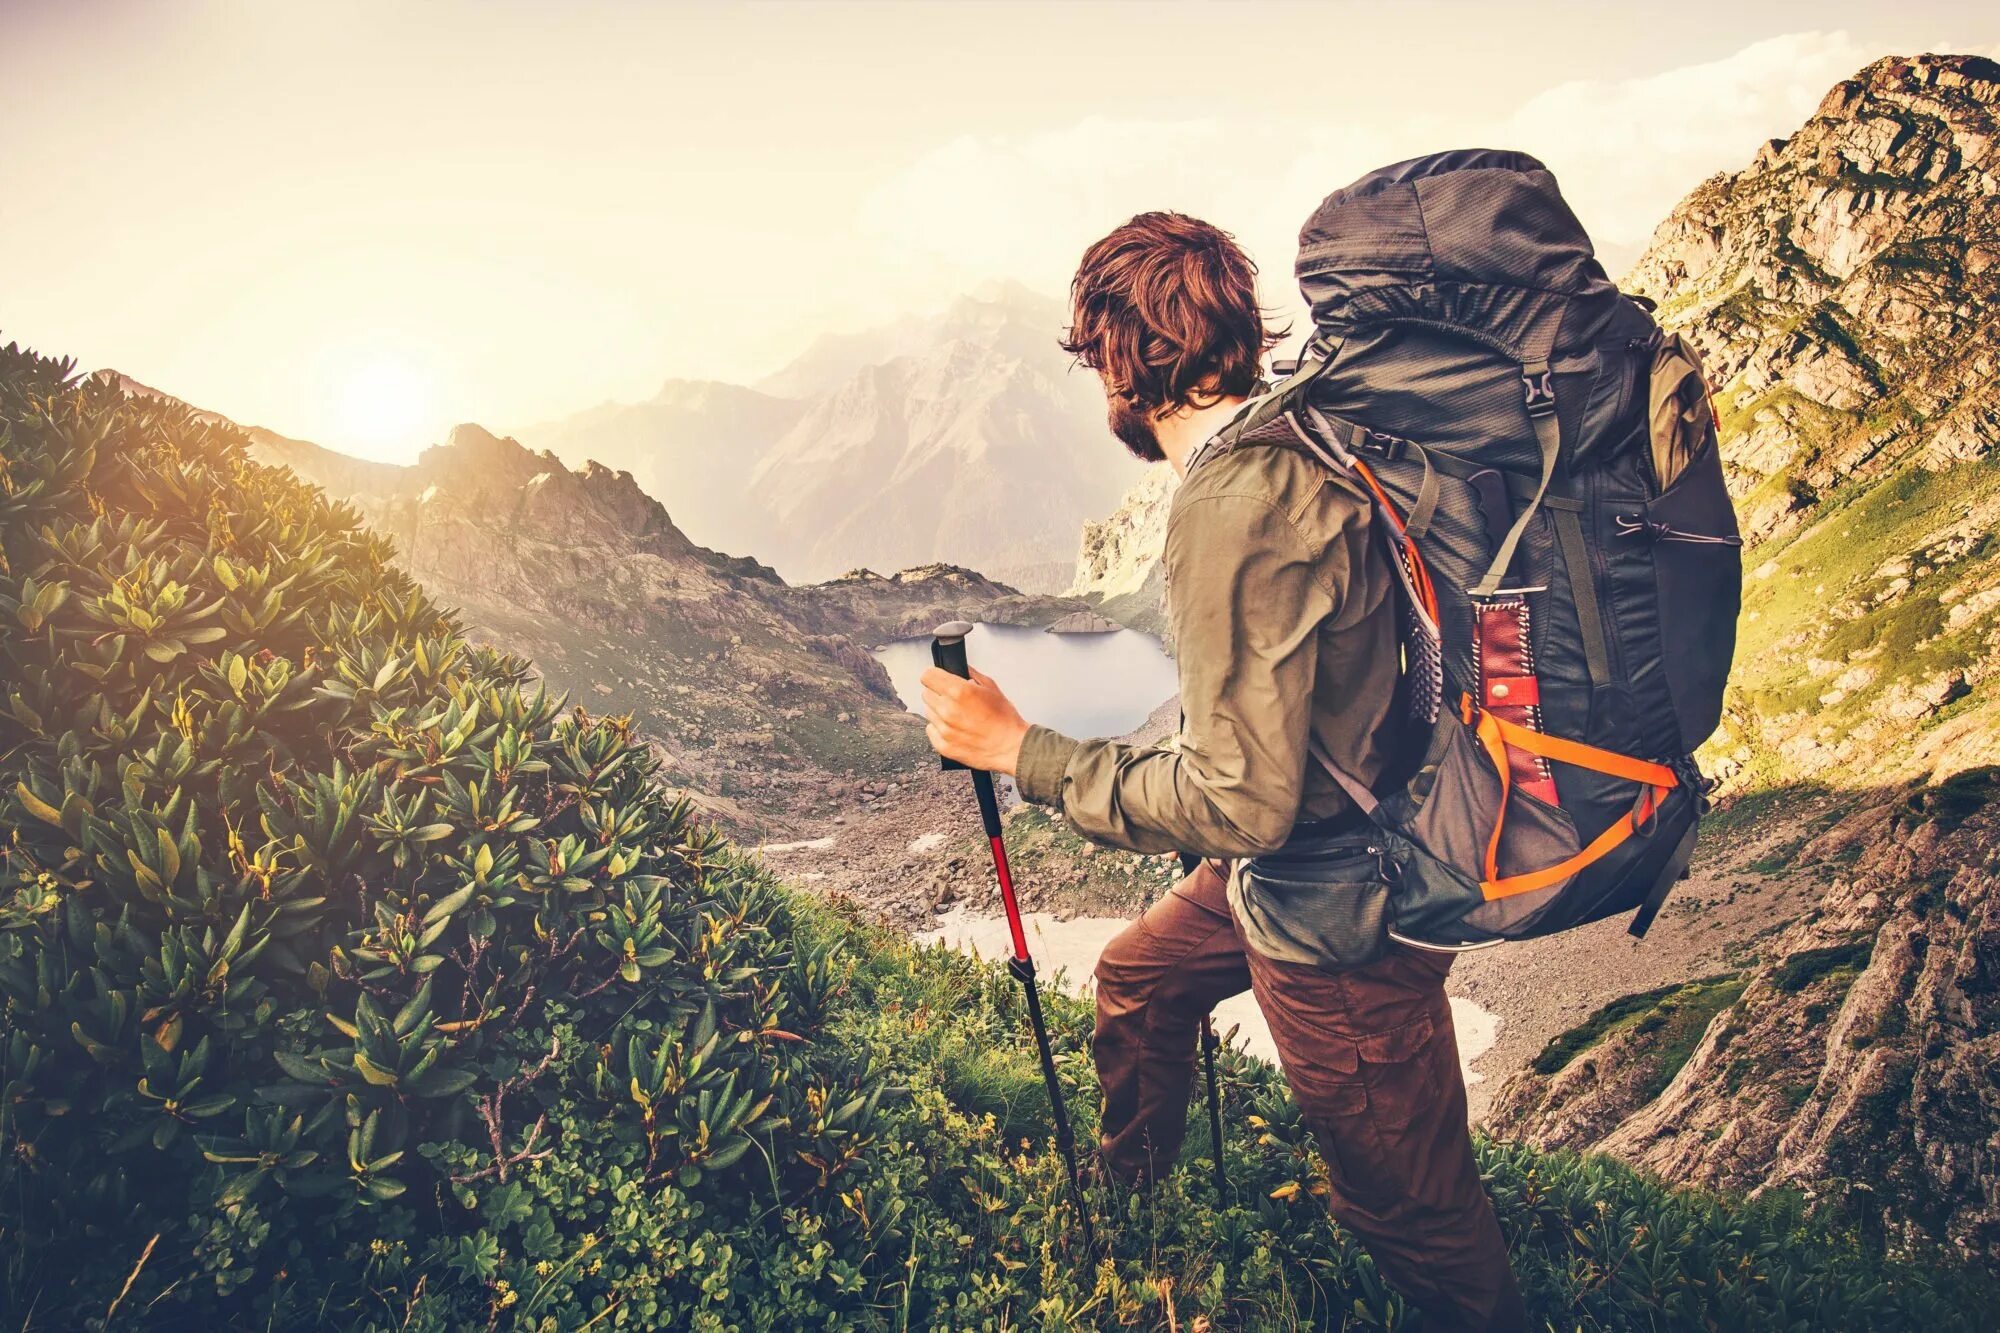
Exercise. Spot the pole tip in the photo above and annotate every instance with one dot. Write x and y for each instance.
(951, 630)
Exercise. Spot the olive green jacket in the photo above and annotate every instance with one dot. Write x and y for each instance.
(1284, 627)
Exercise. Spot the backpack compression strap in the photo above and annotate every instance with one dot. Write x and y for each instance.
(1538, 387)
(1497, 735)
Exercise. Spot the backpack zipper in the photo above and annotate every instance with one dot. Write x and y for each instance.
(1607, 605)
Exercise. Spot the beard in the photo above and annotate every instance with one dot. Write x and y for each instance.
(1135, 431)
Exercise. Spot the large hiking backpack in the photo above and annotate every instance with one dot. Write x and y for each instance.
(1543, 462)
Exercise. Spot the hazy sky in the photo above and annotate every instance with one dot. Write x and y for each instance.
(359, 223)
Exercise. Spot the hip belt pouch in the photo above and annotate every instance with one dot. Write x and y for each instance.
(1318, 900)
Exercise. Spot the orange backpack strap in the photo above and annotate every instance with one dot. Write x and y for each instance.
(1498, 736)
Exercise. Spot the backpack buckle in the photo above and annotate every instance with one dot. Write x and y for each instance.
(1538, 390)
(1386, 447)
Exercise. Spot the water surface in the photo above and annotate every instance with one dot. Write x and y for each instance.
(1080, 684)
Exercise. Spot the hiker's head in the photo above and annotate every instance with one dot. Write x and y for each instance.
(1164, 309)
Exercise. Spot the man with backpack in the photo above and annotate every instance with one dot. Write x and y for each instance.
(1284, 621)
(1454, 603)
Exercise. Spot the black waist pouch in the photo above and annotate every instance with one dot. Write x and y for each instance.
(1322, 899)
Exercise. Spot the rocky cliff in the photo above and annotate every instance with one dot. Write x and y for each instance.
(1850, 1058)
(1844, 290)
(1118, 566)
(586, 573)
(693, 440)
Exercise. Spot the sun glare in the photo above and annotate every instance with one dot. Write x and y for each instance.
(384, 406)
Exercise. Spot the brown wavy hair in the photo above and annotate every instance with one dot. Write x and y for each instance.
(1165, 308)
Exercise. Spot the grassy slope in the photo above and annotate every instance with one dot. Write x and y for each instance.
(948, 1214)
(1597, 1245)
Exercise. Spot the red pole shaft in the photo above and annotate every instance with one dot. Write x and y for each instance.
(1006, 877)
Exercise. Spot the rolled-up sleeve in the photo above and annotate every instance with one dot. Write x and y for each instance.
(1248, 596)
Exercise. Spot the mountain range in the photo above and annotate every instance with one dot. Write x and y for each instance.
(963, 437)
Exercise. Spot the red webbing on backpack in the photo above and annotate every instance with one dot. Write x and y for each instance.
(1509, 688)
(1420, 575)
(1500, 736)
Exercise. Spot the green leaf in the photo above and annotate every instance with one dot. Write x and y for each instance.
(432, 832)
(441, 1082)
(448, 904)
(170, 859)
(239, 671)
(726, 1156)
(373, 1072)
(300, 1068)
(236, 932)
(36, 806)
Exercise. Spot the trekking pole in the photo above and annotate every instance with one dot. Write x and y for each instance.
(1209, 1041)
(948, 652)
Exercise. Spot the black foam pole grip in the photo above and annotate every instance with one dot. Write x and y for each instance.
(948, 654)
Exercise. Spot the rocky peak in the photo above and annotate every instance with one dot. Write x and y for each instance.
(1843, 285)
(1844, 289)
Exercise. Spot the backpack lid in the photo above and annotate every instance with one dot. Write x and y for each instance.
(1478, 238)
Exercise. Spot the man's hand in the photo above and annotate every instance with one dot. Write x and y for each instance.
(972, 722)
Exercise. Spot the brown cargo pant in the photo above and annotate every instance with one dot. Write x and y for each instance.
(1372, 1061)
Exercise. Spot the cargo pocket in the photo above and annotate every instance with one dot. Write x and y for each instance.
(1369, 1129)
(1698, 569)
(1325, 904)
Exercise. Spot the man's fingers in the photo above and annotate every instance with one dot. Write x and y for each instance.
(943, 682)
(981, 678)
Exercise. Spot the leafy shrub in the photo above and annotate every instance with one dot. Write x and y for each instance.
(348, 981)
(311, 917)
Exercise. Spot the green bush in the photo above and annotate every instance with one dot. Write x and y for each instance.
(317, 931)
(351, 982)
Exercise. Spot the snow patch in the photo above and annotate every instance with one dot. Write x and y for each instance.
(1066, 953)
